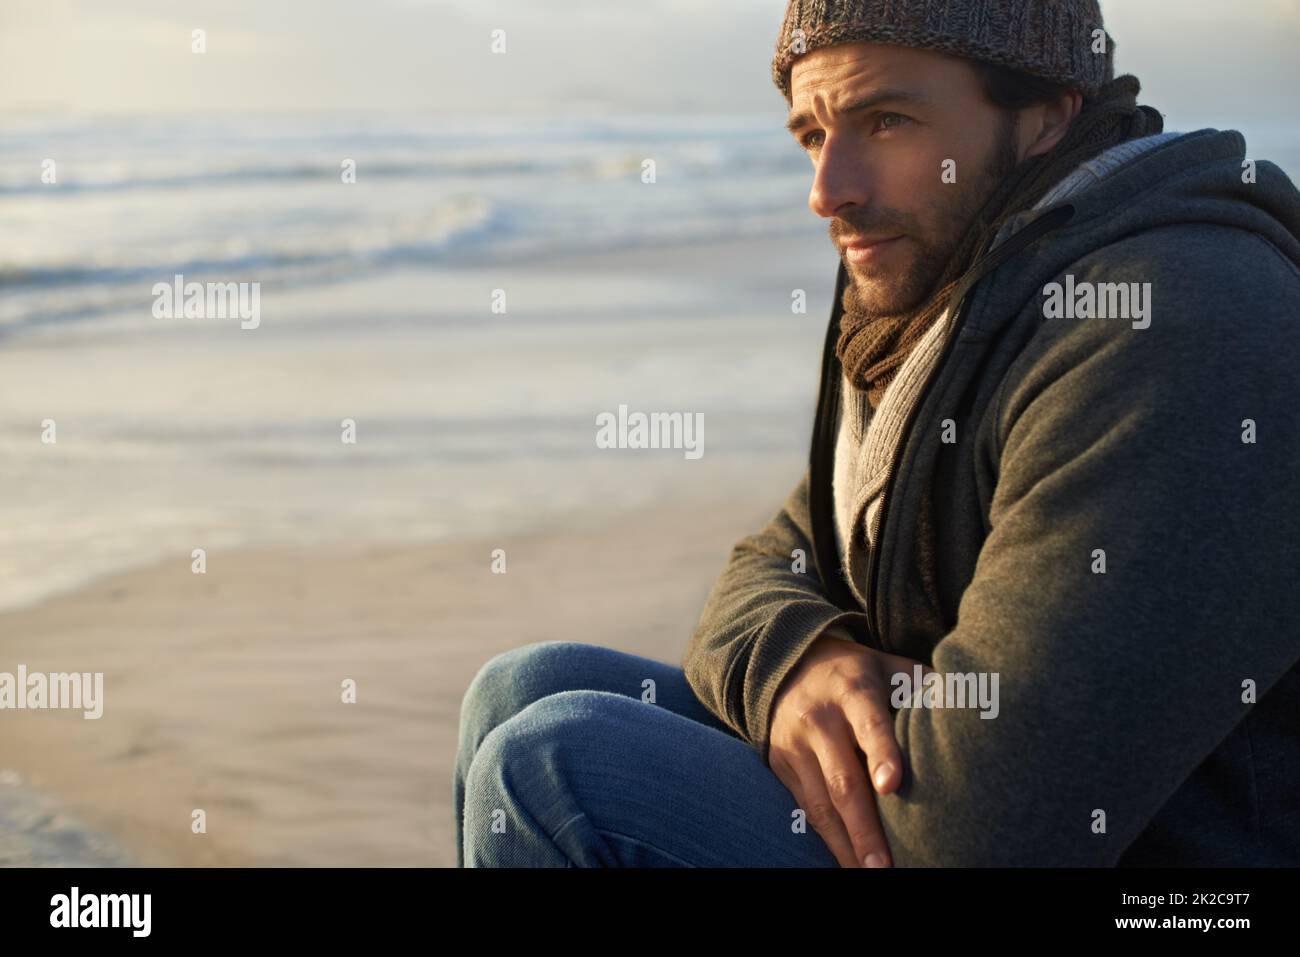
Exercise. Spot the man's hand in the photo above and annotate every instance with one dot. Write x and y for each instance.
(835, 702)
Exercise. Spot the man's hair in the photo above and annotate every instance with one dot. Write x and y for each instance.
(1011, 89)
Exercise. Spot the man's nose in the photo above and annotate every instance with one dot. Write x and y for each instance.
(841, 178)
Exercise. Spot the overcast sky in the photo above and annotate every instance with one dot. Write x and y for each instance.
(1208, 63)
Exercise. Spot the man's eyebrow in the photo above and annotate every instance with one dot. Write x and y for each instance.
(798, 121)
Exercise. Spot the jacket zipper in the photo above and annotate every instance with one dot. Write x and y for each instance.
(873, 561)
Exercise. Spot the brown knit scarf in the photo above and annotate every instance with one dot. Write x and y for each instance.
(871, 348)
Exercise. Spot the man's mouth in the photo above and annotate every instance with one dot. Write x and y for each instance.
(857, 252)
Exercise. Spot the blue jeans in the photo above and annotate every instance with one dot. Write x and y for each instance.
(563, 763)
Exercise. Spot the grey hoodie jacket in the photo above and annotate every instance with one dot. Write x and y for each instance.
(1118, 539)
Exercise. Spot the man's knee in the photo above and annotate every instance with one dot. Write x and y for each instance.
(514, 679)
(532, 743)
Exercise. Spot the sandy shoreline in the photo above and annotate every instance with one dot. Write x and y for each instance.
(35, 831)
(222, 691)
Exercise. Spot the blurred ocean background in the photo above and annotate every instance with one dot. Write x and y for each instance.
(174, 434)
(136, 199)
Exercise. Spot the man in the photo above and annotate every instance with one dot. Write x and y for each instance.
(1034, 601)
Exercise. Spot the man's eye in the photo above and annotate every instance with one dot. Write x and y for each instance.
(885, 123)
(810, 142)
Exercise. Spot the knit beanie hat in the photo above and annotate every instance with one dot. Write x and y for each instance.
(1051, 39)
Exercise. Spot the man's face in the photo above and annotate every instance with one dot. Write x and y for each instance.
(879, 123)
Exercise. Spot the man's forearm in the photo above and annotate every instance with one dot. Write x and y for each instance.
(764, 611)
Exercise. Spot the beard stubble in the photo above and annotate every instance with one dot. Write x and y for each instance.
(905, 290)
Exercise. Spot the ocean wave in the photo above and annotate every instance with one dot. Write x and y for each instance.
(64, 292)
(138, 204)
(605, 163)
(423, 235)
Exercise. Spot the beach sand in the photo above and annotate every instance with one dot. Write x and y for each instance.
(222, 690)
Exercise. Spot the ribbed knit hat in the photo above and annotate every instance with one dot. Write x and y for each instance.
(1052, 39)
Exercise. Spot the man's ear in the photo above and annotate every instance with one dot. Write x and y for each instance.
(1052, 122)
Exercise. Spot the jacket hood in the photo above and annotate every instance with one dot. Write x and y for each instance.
(1201, 178)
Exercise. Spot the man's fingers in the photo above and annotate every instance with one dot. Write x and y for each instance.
(872, 720)
(846, 784)
(868, 714)
(821, 811)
